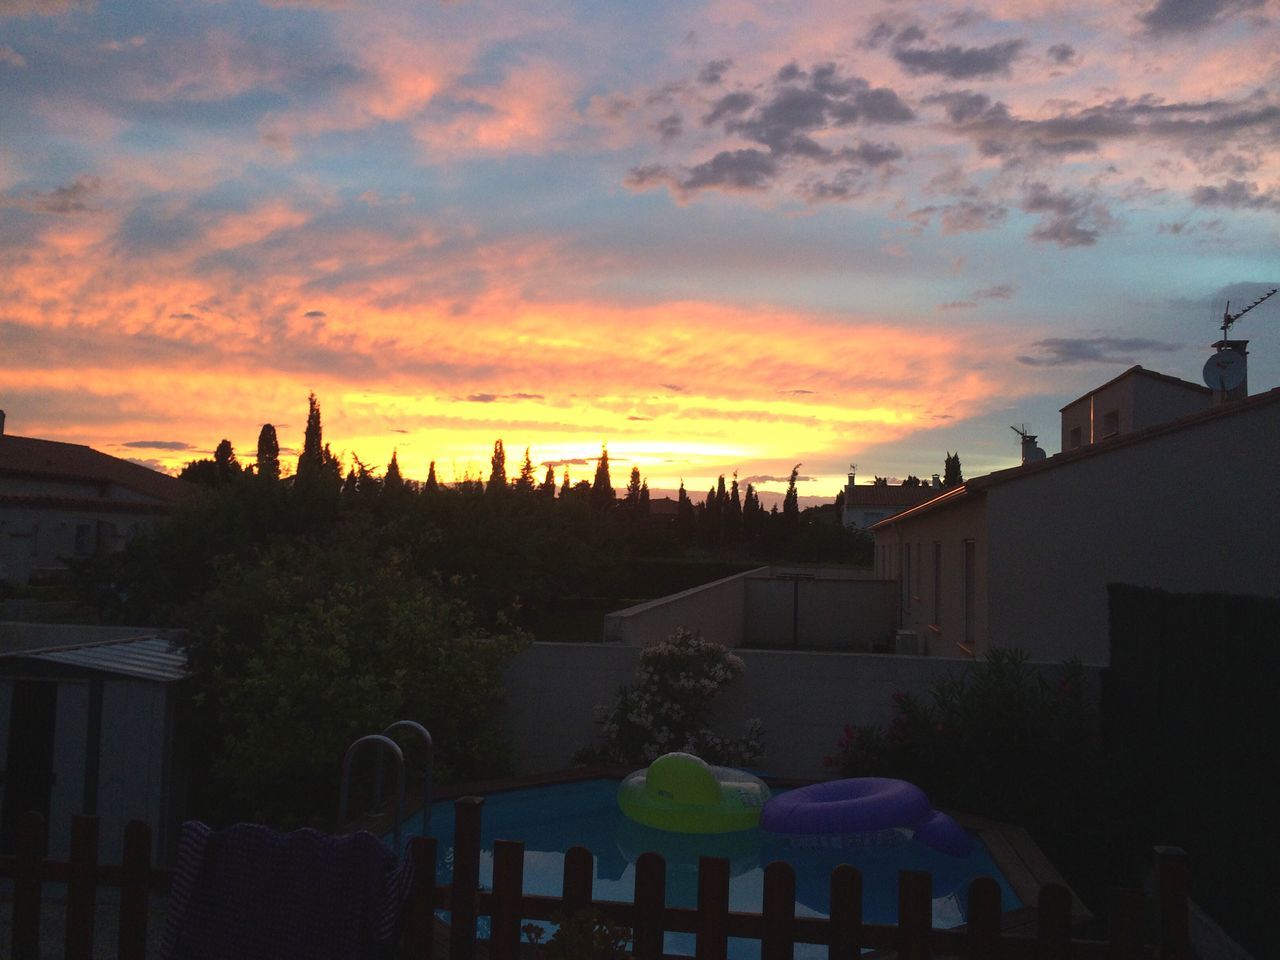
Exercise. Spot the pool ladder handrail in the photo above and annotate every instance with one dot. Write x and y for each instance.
(384, 741)
(421, 731)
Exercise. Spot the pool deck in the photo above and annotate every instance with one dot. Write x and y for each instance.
(1015, 853)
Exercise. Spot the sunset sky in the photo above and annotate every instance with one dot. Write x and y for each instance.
(719, 236)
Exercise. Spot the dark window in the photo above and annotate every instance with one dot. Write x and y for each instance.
(1075, 437)
(937, 583)
(1111, 423)
(970, 591)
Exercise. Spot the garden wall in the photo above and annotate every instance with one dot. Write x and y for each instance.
(821, 608)
(716, 610)
(802, 698)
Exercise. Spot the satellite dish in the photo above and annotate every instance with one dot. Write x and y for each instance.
(1225, 370)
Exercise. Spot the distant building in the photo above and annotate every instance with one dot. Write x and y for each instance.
(1135, 400)
(60, 501)
(870, 503)
(1022, 557)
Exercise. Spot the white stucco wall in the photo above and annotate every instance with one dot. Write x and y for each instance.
(715, 609)
(802, 698)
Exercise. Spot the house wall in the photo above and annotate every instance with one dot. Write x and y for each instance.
(40, 538)
(715, 609)
(1190, 511)
(803, 699)
(917, 595)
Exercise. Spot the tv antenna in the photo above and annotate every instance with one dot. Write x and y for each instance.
(1228, 318)
(1022, 432)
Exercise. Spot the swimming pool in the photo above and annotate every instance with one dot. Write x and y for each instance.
(550, 819)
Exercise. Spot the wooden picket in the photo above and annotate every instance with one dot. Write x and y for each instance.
(647, 916)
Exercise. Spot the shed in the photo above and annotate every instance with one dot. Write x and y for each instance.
(87, 726)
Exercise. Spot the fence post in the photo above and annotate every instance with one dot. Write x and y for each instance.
(984, 919)
(417, 941)
(846, 914)
(82, 888)
(1175, 920)
(464, 902)
(650, 901)
(713, 909)
(27, 887)
(1125, 925)
(579, 868)
(915, 914)
(508, 889)
(779, 938)
(1053, 921)
(135, 890)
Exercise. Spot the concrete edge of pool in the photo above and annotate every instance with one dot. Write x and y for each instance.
(1012, 848)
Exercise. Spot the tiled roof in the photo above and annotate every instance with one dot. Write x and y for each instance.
(979, 484)
(870, 495)
(1139, 370)
(50, 459)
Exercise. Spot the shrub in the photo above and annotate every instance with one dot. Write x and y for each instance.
(299, 653)
(1004, 740)
(668, 708)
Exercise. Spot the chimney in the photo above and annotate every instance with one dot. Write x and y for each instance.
(1241, 390)
(1031, 451)
(937, 482)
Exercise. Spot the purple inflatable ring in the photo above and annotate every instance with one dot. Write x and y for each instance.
(858, 805)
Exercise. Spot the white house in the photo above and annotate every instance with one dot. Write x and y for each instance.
(1022, 557)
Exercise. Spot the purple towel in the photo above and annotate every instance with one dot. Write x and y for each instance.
(250, 893)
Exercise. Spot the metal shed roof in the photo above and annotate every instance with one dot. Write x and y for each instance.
(148, 658)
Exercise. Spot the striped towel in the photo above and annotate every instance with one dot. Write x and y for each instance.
(250, 893)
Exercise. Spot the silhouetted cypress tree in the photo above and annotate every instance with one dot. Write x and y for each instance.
(791, 501)
(633, 489)
(951, 475)
(498, 472)
(684, 514)
(602, 494)
(548, 487)
(268, 453)
(564, 487)
(524, 483)
(733, 512)
(311, 460)
(227, 467)
(752, 515)
(644, 498)
(393, 483)
(432, 485)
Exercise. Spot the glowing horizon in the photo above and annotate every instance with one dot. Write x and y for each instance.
(718, 236)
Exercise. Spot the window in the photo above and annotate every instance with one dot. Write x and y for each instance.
(937, 583)
(906, 583)
(970, 593)
(1074, 438)
(1110, 423)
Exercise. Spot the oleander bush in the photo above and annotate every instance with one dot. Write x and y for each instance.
(669, 708)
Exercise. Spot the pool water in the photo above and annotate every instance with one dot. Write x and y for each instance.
(551, 819)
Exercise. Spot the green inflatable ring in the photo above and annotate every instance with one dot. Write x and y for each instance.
(681, 793)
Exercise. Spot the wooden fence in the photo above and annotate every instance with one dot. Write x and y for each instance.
(647, 916)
